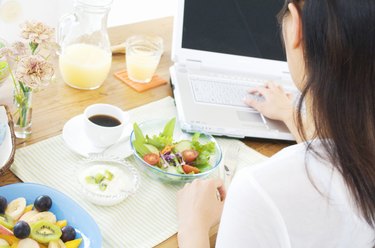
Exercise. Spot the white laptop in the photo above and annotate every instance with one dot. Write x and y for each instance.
(220, 49)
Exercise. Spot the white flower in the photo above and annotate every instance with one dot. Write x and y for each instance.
(34, 71)
(37, 32)
(14, 52)
(6, 52)
(19, 49)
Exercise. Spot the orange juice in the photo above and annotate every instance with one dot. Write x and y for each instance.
(84, 66)
(141, 67)
(142, 57)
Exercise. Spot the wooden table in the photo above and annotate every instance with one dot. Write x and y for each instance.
(53, 107)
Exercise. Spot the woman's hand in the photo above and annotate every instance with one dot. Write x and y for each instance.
(199, 207)
(277, 104)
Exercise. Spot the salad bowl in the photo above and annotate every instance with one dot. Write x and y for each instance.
(175, 171)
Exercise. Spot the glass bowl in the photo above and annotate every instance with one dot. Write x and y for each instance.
(155, 127)
(123, 182)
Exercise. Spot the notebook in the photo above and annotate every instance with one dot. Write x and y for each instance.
(220, 49)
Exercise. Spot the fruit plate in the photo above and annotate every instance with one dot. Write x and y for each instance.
(7, 139)
(63, 207)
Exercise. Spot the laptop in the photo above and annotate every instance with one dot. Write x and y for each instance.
(220, 49)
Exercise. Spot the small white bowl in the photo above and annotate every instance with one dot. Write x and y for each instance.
(125, 180)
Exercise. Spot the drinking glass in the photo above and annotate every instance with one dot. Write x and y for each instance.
(142, 57)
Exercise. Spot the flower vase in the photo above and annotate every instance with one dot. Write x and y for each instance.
(22, 115)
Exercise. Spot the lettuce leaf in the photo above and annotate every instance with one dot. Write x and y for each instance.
(140, 148)
(138, 134)
(139, 141)
(169, 128)
(205, 152)
(159, 141)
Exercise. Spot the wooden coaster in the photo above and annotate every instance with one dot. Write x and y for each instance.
(155, 81)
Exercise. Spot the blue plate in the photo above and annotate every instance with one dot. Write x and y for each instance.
(63, 207)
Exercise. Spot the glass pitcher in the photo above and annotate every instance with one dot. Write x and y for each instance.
(85, 56)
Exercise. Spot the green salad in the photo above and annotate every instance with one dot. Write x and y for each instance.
(179, 157)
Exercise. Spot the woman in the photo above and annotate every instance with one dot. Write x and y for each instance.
(320, 192)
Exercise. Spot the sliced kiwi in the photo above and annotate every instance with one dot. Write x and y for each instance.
(99, 177)
(44, 232)
(108, 175)
(103, 186)
(90, 180)
(7, 221)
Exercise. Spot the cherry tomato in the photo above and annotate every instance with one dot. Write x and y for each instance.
(189, 155)
(151, 158)
(188, 169)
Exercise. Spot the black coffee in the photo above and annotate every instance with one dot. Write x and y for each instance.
(105, 120)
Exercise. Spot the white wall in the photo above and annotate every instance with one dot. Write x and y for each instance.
(15, 12)
(129, 11)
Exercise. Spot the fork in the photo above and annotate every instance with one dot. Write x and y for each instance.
(230, 163)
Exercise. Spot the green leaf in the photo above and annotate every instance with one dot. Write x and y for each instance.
(33, 47)
(140, 148)
(169, 128)
(138, 134)
(3, 64)
(205, 151)
(159, 141)
(195, 137)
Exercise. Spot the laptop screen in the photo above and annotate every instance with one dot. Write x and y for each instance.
(238, 27)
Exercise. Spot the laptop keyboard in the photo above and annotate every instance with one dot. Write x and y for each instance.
(223, 91)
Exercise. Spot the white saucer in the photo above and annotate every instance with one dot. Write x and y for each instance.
(75, 138)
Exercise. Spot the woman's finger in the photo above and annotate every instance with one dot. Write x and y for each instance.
(257, 105)
(222, 192)
(270, 85)
(217, 182)
(260, 90)
(252, 91)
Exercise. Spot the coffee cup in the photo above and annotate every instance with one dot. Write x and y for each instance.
(104, 124)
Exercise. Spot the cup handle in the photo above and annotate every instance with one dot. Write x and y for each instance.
(65, 23)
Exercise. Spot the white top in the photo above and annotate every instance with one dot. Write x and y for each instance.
(274, 204)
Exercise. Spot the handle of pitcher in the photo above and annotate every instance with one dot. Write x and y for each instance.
(65, 23)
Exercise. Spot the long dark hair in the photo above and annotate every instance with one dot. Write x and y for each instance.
(338, 39)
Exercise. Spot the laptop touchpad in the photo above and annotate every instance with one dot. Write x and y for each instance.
(249, 117)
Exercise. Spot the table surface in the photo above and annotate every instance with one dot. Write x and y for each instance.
(54, 106)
